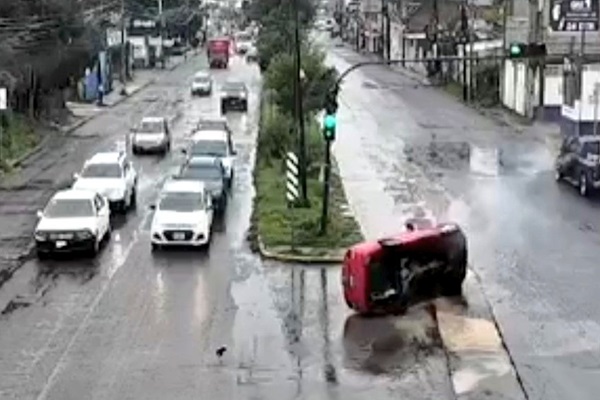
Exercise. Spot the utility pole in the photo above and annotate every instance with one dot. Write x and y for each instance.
(299, 108)
(123, 45)
(464, 20)
(596, 94)
(579, 80)
(388, 31)
(471, 52)
(161, 30)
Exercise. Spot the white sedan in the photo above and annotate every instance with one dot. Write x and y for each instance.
(73, 220)
(183, 215)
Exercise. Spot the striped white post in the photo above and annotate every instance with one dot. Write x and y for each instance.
(291, 164)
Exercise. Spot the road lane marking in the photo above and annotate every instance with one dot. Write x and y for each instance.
(62, 361)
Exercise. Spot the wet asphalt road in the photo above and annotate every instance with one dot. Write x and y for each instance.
(533, 242)
(133, 325)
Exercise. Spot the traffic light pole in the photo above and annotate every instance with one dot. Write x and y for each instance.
(326, 184)
(336, 86)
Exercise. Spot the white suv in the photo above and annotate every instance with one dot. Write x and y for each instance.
(112, 175)
(73, 220)
(183, 215)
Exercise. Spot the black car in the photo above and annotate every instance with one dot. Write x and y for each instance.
(578, 162)
(211, 171)
(234, 96)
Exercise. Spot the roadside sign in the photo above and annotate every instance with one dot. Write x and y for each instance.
(574, 15)
(3, 99)
(291, 163)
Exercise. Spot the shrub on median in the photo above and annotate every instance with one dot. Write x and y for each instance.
(18, 137)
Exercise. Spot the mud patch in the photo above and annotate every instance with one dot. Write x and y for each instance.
(390, 344)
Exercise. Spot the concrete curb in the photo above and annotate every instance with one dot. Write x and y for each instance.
(78, 124)
(297, 258)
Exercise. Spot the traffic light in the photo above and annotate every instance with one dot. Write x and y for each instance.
(517, 50)
(330, 122)
(522, 50)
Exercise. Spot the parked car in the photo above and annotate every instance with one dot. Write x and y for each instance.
(73, 220)
(112, 175)
(234, 96)
(214, 143)
(578, 163)
(153, 134)
(388, 275)
(212, 173)
(202, 84)
(252, 54)
(183, 215)
(243, 41)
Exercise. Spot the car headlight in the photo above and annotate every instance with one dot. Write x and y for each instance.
(41, 236)
(243, 95)
(84, 235)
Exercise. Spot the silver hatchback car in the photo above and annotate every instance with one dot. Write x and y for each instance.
(153, 134)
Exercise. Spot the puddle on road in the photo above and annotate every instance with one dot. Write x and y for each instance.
(483, 161)
(389, 344)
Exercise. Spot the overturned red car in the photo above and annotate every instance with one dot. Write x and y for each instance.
(388, 275)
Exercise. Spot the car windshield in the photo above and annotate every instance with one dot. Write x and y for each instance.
(592, 148)
(151, 127)
(243, 37)
(233, 87)
(210, 125)
(101, 171)
(215, 148)
(69, 208)
(201, 79)
(181, 202)
(202, 172)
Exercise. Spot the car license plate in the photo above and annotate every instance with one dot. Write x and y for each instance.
(60, 244)
(179, 236)
(64, 236)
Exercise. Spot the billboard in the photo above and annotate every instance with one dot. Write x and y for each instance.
(573, 15)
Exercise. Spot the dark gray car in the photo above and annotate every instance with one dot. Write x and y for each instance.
(234, 96)
(209, 170)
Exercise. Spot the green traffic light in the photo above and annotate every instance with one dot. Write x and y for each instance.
(515, 49)
(330, 122)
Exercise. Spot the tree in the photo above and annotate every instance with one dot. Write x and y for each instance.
(318, 80)
(259, 10)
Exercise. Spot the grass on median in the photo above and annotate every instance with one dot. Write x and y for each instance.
(18, 137)
(272, 220)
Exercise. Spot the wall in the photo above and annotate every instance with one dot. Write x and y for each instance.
(513, 94)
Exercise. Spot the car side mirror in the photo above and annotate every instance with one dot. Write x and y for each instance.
(184, 151)
(40, 213)
(153, 206)
(75, 175)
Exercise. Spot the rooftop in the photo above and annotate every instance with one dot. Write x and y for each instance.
(111, 157)
(183, 186)
(74, 194)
